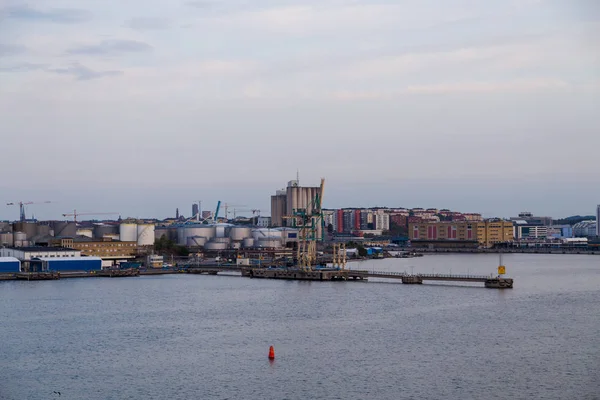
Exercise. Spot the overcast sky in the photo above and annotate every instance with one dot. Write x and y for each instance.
(142, 106)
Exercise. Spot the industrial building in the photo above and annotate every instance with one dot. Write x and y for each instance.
(9, 265)
(295, 197)
(106, 248)
(585, 229)
(62, 264)
(486, 233)
(29, 253)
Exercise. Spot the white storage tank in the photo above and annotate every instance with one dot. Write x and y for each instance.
(195, 241)
(221, 240)
(222, 230)
(239, 233)
(248, 242)
(145, 234)
(268, 243)
(87, 232)
(266, 233)
(128, 232)
(19, 236)
(215, 246)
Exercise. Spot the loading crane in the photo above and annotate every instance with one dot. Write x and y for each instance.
(74, 214)
(308, 224)
(22, 205)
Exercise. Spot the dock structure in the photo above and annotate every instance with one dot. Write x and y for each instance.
(37, 276)
(412, 279)
(299, 274)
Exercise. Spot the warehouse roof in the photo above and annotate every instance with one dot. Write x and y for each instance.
(8, 259)
(68, 258)
(40, 249)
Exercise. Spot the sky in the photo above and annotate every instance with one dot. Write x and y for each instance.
(141, 106)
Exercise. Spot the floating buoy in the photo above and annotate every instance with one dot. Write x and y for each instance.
(271, 353)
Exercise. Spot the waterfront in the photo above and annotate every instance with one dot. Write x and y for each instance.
(190, 336)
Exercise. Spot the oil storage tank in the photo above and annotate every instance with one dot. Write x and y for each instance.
(43, 230)
(87, 232)
(266, 233)
(222, 230)
(195, 241)
(145, 234)
(28, 228)
(128, 232)
(248, 242)
(194, 230)
(7, 239)
(216, 246)
(20, 239)
(268, 243)
(65, 229)
(101, 230)
(239, 233)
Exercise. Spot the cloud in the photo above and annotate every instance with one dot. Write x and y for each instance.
(23, 67)
(510, 86)
(111, 47)
(56, 15)
(82, 73)
(10, 50)
(143, 24)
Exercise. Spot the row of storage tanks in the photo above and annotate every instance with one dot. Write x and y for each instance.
(22, 234)
(226, 236)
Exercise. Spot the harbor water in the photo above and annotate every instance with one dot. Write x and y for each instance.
(208, 337)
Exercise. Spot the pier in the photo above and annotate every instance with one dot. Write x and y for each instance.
(412, 279)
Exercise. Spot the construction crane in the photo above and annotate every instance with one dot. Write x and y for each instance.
(74, 214)
(227, 206)
(22, 205)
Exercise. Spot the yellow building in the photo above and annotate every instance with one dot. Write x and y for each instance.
(487, 233)
(106, 249)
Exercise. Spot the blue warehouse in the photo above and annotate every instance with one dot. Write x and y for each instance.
(9, 265)
(61, 264)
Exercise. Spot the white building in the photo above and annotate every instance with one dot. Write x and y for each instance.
(263, 222)
(381, 222)
(28, 253)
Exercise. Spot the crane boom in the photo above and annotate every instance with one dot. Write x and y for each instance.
(74, 214)
(22, 205)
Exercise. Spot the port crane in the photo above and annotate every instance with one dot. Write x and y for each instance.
(308, 223)
(74, 214)
(22, 205)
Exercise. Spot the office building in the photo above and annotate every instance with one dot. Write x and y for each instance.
(486, 233)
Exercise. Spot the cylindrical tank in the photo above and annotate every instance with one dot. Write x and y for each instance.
(128, 232)
(268, 243)
(195, 241)
(222, 230)
(145, 234)
(162, 231)
(29, 228)
(7, 239)
(248, 242)
(6, 227)
(19, 236)
(215, 246)
(64, 228)
(87, 232)
(43, 230)
(100, 230)
(266, 233)
(239, 233)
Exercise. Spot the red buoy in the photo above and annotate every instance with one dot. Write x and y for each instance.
(271, 353)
